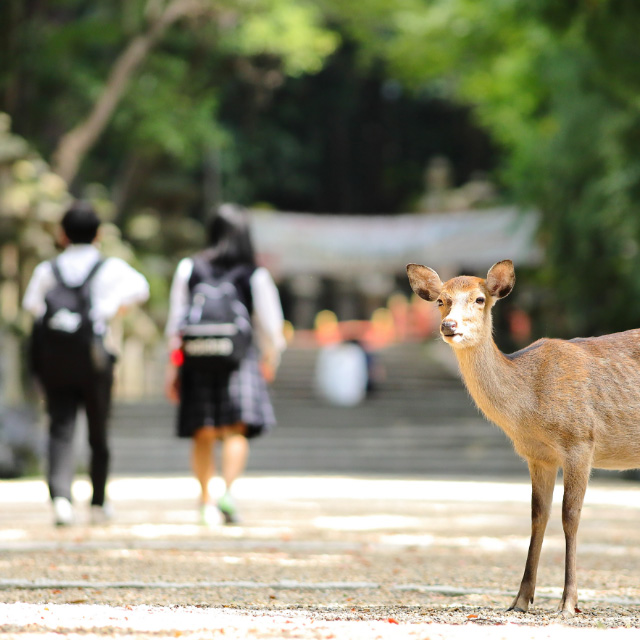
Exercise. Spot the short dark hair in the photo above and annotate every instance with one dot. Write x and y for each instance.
(229, 237)
(80, 223)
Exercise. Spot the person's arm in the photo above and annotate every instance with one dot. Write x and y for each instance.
(121, 286)
(41, 282)
(178, 304)
(116, 286)
(178, 300)
(268, 321)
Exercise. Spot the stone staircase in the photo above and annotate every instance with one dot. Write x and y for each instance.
(420, 422)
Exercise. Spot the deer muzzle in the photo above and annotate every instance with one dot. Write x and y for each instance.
(449, 327)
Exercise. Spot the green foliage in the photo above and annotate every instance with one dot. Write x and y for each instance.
(286, 95)
(582, 170)
(557, 85)
(66, 50)
(161, 102)
(292, 31)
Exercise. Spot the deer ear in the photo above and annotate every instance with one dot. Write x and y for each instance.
(501, 279)
(424, 281)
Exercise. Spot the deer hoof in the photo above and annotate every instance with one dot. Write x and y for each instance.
(521, 605)
(517, 609)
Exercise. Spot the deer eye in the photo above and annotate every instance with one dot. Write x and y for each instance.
(480, 300)
(439, 302)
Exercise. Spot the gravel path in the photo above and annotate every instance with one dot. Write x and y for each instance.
(314, 558)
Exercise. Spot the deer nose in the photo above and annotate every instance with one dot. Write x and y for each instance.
(448, 327)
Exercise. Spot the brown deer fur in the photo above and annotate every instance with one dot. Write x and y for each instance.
(570, 404)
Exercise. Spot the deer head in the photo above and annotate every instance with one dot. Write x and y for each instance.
(464, 302)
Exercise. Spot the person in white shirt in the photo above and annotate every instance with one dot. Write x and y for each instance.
(228, 408)
(113, 285)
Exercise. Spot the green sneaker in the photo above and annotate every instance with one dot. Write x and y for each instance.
(228, 509)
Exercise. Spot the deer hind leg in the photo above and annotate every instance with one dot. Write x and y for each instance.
(576, 478)
(543, 479)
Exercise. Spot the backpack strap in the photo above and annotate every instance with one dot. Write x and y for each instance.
(241, 278)
(202, 270)
(56, 272)
(92, 272)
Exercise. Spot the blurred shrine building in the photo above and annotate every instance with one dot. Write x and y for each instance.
(354, 265)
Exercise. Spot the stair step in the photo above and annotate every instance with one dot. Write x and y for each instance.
(420, 421)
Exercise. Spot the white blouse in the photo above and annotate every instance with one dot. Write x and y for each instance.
(268, 320)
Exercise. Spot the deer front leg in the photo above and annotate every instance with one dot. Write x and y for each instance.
(576, 477)
(543, 478)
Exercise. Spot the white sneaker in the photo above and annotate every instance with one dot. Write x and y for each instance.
(63, 511)
(210, 515)
(101, 514)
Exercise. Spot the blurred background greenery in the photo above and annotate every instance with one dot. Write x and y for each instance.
(159, 109)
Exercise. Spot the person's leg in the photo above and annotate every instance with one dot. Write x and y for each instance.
(203, 465)
(62, 407)
(235, 453)
(202, 461)
(97, 400)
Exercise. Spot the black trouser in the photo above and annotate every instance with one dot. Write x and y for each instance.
(63, 403)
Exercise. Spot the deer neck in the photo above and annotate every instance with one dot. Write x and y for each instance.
(493, 382)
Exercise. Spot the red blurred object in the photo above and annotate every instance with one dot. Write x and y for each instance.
(177, 357)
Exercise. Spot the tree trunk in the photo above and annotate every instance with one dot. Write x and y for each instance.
(76, 143)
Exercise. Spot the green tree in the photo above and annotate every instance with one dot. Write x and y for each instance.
(151, 68)
(557, 86)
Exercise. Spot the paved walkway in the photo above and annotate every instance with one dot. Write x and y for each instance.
(315, 557)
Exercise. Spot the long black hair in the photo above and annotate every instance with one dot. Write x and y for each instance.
(229, 238)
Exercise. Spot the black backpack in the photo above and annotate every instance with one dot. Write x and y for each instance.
(216, 331)
(64, 348)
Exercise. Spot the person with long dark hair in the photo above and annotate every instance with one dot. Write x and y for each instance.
(231, 407)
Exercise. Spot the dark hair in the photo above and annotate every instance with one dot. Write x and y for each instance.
(229, 238)
(80, 223)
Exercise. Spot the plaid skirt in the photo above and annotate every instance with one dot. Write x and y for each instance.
(217, 400)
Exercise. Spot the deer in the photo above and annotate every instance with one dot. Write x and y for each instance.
(569, 404)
